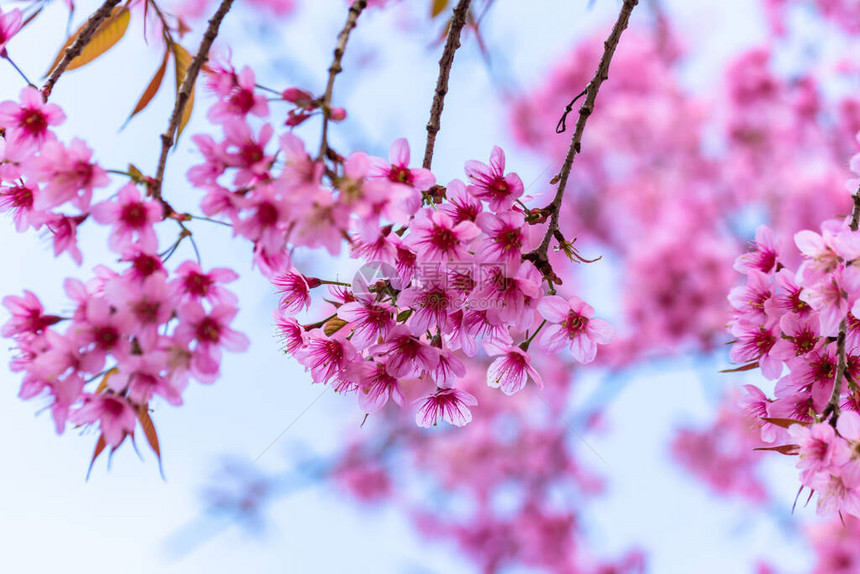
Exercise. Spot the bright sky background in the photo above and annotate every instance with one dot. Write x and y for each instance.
(51, 519)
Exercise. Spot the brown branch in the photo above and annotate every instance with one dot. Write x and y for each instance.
(76, 47)
(355, 11)
(445, 64)
(832, 407)
(184, 95)
(539, 255)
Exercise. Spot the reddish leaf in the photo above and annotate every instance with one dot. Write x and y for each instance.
(784, 423)
(32, 17)
(151, 436)
(152, 88)
(747, 367)
(789, 449)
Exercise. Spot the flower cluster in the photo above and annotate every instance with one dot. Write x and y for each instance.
(442, 266)
(134, 334)
(799, 320)
(437, 280)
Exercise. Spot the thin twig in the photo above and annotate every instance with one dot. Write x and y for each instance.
(184, 95)
(74, 50)
(355, 11)
(832, 407)
(445, 64)
(539, 255)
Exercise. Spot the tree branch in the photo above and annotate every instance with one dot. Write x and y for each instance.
(76, 47)
(355, 11)
(539, 255)
(184, 95)
(445, 64)
(832, 407)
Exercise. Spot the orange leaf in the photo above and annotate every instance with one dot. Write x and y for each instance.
(789, 449)
(152, 88)
(109, 32)
(108, 374)
(182, 59)
(151, 436)
(100, 446)
(438, 7)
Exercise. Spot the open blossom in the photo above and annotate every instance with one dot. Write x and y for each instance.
(28, 316)
(451, 404)
(507, 237)
(69, 175)
(764, 255)
(10, 23)
(29, 122)
(130, 215)
(115, 416)
(64, 230)
(368, 319)
(192, 283)
(18, 199)
(210, 331)
(511, 370)
(295, 290)
(405, 355)
(377, 386)
(397, 169)
(570, 323)
(329, 358)
(239, 98)
(820, 450)
(490, 183)
(435, 236)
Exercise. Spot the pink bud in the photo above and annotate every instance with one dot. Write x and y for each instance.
(337, 114)
(295, 95)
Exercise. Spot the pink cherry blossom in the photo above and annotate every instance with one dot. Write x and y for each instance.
(130, 216)
(764, 255)
(435, 237)
(511, 370)
(192, 283)
(820, 450)
(570, 323)
(10, 23)
(451, 404)
(490, 183)
(115, 416)
(295, 289)
(209, 331)
(28, 316)
(29, 122)
(397, 169)
(240, 99)
(69, 175)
